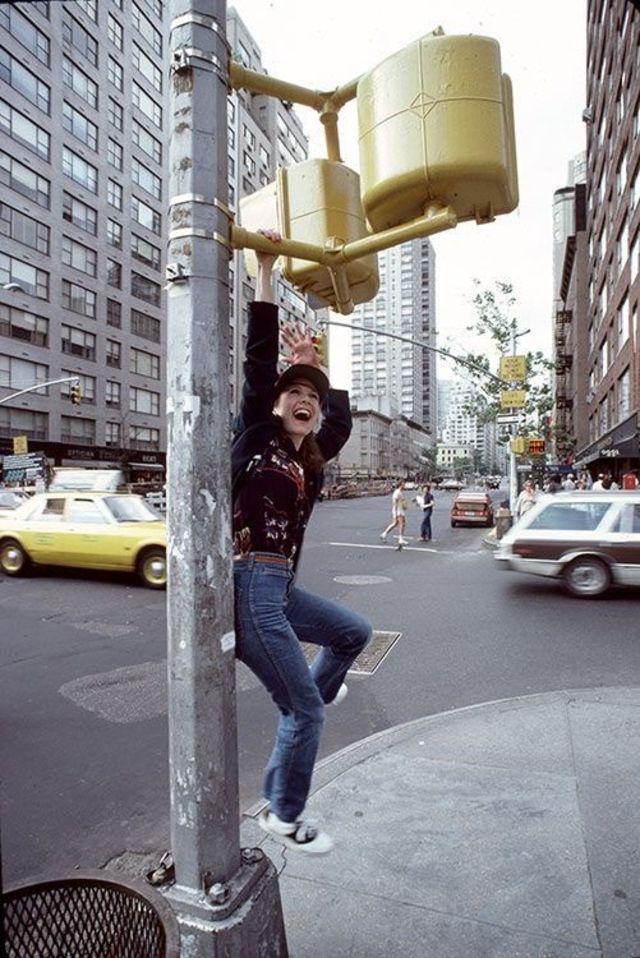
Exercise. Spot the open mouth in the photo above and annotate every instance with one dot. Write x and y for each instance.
(302, 415)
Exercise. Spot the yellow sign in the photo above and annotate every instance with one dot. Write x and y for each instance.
(513, 398)
(518, 445)
(20, 445)
(513, 369)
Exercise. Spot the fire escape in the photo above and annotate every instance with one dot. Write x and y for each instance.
(563, 400)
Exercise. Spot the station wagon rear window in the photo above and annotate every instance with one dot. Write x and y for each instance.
(571, 516)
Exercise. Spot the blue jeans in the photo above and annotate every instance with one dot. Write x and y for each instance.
(272, 617)
(425, 530)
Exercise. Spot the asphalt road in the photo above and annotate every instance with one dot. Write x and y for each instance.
(83, 756)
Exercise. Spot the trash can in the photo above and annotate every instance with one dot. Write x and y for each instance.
(89, 916)
(504, 521)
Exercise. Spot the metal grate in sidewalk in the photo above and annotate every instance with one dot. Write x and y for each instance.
(370, 659)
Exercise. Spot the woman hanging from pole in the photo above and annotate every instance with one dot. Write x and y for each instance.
(277, 461)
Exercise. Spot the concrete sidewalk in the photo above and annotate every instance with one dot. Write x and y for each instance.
(508, 830)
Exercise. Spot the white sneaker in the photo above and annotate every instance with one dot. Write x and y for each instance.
(341, 695)
(383, 537)
(403, 542)
(300, 836)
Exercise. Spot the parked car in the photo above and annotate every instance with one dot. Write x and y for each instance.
(472, 508)
(10, 499)
(90, 530)
(590, 540)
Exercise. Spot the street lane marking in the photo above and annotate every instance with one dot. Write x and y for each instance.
(371, 545)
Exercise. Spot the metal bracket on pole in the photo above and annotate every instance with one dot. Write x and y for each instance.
(184, 58)
(217, 900)
(175, 274)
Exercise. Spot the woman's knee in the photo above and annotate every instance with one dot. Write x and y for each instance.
(359, 632)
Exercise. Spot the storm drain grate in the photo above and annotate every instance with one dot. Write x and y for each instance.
(368, 661)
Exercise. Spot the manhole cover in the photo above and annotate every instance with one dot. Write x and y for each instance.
(361, 579)
(368, 661)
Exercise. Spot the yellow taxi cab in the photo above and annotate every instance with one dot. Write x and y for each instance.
(88, 530)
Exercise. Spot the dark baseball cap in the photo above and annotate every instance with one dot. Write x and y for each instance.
(301, 371)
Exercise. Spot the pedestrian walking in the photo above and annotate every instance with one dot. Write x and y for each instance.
(526, 500)
(426, 503)
(398, 514)
(630, 479)
(277, 463)
(569, 483)
(598, 485)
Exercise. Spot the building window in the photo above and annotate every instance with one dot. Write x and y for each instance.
(144, 364)
(87, 386)
(24, 81)
(23, 180)
(147, 327)
(624, 395)
(32, 39)
(249, 163)
(114, 313)
(114, 154)
(144, 401)
(78, 256)
(114, 194)
(79, 82)
(115, 74)
(146, 29)
(154, 7)
(23, 422)
(24, 130)
(146, 215)
(147, 105)
(146, 289)
(75, 123)
(24, 326)
(146, 142)
(112, 434)
(147, 68)
(34, 282)
(114, 234)
(112, 394)
(90, 7)
(142, 176)
(143, 437)
(116, 115)
(75, 37)
(78, 213)
(114, 274)
(78, 299)
(82, 431)
(75, 342)
(114, 351)
(145, 252)
(20, 374)
(23, 229)
(79, 170)
(115, 31)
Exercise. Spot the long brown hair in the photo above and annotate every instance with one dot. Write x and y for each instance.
(312, 459)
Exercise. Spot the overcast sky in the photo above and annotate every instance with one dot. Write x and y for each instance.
(543, 49)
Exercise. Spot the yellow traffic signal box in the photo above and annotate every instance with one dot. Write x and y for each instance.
(312, 202)
(436, 126)
(518, 445)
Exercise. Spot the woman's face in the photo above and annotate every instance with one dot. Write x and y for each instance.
(299, 408)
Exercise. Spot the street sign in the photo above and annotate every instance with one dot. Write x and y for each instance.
(508, 418)
(23, 468)
(20, 445)
(513, 368)
(513, 398)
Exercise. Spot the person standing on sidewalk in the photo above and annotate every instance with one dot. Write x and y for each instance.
(398, 514)
(426, 502)
(277, 466)
(526, 500)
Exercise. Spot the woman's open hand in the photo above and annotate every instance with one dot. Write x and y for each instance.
(299, 342)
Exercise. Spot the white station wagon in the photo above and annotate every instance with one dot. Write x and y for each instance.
(589, 539)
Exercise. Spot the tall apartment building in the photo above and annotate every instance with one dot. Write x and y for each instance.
(83, 102)
(381, 367)
(84, 131)
(613, 232)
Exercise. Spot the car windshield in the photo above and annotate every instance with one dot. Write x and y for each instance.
(131, 509)
(571, 516)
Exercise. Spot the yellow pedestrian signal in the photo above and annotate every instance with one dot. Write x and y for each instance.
(320, 344)
(76, 394)
(518, 445)
(536, 447)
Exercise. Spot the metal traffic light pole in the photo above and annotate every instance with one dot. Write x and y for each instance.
(226, 899)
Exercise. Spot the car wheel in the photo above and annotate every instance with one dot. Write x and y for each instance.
(587, 577)
(152, 568)
(13, 558)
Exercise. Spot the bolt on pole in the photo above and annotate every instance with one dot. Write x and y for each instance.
(222, 895)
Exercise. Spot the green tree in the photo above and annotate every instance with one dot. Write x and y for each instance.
(461, 465)
(497, 321)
